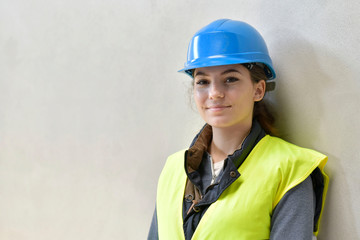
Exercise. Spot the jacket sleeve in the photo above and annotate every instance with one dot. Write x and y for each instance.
(153, 232)
(293, 217)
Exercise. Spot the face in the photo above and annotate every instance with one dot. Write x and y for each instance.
(225, 95)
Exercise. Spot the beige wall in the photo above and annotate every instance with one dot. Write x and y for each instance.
(91, 105)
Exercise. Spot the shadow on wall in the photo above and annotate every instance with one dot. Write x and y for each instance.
(338, 207)
(300, 85)
(305, 77)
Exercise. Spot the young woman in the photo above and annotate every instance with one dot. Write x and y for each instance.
(237, 181)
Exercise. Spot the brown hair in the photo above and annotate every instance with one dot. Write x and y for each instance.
(263, 113)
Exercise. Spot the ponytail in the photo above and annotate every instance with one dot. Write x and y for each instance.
(262, 112)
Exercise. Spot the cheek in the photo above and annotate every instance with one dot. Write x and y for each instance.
(243, 98)
(199, 97)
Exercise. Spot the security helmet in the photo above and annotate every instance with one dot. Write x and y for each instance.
(225, 42)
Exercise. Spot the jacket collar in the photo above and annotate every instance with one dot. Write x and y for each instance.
(203, 139)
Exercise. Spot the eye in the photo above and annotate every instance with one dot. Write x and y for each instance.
(231, 80)
(201, 82)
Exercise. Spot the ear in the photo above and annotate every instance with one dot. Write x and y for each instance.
(260, 88)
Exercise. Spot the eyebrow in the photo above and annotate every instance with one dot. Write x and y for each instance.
(223, 73)
(230, 71)
(200, 73)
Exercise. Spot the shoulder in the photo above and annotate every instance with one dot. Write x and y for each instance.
(174, 162)
(289, 158)
(176, 158)
(179, 154)
(290, 163)
(287, 151)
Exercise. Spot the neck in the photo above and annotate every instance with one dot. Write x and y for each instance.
(226, 140)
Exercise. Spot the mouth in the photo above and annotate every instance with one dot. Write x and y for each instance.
(217, 108)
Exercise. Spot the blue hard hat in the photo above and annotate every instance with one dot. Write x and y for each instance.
(225, 42)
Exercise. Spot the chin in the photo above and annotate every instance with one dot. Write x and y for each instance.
(226, 123)
(220, 124)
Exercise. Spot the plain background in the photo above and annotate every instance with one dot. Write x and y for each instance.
(91, 105)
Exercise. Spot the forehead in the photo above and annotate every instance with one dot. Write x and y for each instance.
(214, 70)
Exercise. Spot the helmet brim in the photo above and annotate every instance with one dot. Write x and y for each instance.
(229, 60)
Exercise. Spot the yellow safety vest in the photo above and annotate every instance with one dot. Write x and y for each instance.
(244, 209)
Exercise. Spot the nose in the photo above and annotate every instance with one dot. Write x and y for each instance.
(216, 91)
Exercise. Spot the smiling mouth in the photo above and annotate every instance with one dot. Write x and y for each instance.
(217, 108)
